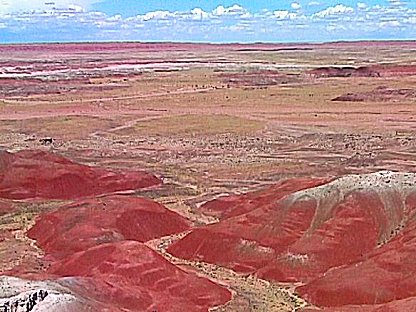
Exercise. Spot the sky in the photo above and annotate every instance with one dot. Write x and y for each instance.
(206, 20)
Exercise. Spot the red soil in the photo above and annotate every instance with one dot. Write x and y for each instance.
(234, 205)
(159, 46)
(355, 249)
(99, 47)
(385, 274)
(17, 87)
(256, 228)
(128, 275)
(88, 223)
(99, 243)
(38, 174)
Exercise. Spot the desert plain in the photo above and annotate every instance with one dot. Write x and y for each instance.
(203, 177)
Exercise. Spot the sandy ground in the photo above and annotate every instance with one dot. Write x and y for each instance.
(209, 129)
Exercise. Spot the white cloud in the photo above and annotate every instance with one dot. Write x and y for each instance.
(156, 15)
(339, 9)
(115, 18)
(75, 8)
(314, 3)
(198, 13)
(410, 20)
(362, 5)
(389, 24)
(396, 2)
(222, 24)
(11, 6)
(232, 10)
(283, 15)
(296, 5)
(335, 28)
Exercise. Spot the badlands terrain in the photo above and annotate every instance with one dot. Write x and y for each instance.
(195, 177)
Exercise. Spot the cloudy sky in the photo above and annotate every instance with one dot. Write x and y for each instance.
(206, 20)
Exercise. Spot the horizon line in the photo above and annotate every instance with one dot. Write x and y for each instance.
(211, 42)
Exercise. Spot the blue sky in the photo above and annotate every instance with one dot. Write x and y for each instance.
(133, 7)
(206, 20)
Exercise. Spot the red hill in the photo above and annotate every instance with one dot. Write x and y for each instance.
(98, 244)
(350, 240)
(128, 276)
(38, 174)
(91, 222)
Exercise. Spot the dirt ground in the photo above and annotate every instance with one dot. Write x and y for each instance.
(209, 120)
